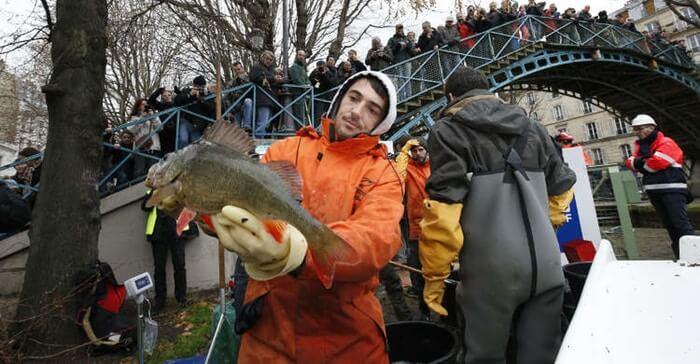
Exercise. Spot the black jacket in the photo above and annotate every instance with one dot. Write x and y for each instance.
(358, 66)
(15, 212)
(326, 80)
(198, 106)
(258, 75)
(427, 44)
(399, 53)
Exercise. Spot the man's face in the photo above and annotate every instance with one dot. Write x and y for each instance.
(399, 29)
(552, 7)
(238, 69)
(411, 36)
(643, 131)
(352, 55)
(301, 56)
(267, 60)
(376, 43)
(419, 154)
(167, 96)
(448, 24)
(330, 62)
(427, 29)
(360, 110)
(126, 139)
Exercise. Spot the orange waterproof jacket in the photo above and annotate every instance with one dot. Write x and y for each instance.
(416, 176)
(351, 187)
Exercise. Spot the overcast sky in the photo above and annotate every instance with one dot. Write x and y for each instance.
(14, 14)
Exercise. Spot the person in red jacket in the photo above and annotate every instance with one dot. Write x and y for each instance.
(660, 161)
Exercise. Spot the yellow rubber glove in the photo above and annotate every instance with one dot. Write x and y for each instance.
(557, 207)
(264, 257)
(403, 157)
(441, 239)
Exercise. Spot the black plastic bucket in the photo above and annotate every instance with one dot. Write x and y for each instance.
(576, 274)
(421, 342)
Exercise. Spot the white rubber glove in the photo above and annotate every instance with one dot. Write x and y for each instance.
(263, 256)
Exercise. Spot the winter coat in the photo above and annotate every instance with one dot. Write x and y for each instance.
(584, 16)
(466, 30)
(505, 216)
(143, 130)
(378, 58)
(198, 106)
(416, 176)
(351, 187)
(358, 66)
(450, 36)
(399, 48)
(535, 9)
(297, 74)
(167, 133)
(427, 44)
(15, 211)
(325, 81)
(660, 161)
(258, 74)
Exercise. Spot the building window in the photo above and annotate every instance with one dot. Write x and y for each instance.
(592, 130)
(626, 150)
(531, 99)
(620, 126)
(587, 107)
(597, 156)
(693, 42)
(559, 112)
(653, 27)
(555, 94)
(689, 13)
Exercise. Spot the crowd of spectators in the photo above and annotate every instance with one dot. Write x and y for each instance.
(152, 139)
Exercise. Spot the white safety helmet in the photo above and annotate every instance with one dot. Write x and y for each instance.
(643, 119)
(383, 125)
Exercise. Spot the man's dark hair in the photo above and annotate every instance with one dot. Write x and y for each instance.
(28, 152)
(465, 79)
(237, 63)
(376, 85)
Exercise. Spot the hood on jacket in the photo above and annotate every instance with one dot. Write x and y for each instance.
(486, 112)
(390, 117)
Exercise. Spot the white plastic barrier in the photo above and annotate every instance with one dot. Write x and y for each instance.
(636, 312)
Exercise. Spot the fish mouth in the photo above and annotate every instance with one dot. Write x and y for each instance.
(165, 196)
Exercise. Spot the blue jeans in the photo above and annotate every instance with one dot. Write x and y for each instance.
(187, 133)
(245, 114)
(263, 120)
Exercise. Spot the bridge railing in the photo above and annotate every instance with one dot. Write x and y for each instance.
(296, 106)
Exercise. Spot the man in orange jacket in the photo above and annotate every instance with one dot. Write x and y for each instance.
(349, 185)
(417, 173)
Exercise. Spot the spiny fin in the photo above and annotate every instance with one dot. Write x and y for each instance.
(186, 215)
(289, 175)
(229, 135)
(275, 228)
(328, 252)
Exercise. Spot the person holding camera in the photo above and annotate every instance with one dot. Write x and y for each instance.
(146, 138)
(264, 75)
(378, 57)
(195, 97)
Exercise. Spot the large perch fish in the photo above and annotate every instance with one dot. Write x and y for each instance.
(217, 171)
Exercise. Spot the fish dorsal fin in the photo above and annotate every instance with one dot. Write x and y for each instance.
(229, 135)
(289, 175)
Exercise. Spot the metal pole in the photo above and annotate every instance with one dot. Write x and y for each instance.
(285, 37)
(139, 326)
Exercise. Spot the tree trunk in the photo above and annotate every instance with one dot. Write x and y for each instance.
(302, 25)
(66, 217)
(337, 44)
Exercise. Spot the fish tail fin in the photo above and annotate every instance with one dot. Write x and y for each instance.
(275, 228)
(329, 251)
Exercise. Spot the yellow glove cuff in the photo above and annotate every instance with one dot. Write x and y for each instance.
(293, 259)
(441, 238)
(558, 205)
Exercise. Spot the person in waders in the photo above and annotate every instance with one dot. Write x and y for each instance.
(493, 171)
